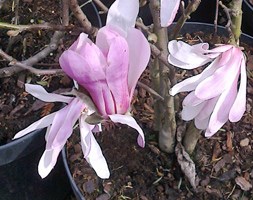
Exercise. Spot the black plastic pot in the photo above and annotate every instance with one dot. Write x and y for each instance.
(19, 178)
(247, 20)
(189, 27)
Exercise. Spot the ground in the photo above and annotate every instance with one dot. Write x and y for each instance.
(224, 163)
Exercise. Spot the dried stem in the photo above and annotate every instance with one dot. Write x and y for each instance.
(216, 17)
(229, 22)
(150, 90)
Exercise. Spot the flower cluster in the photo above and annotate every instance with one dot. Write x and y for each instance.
(214, 97)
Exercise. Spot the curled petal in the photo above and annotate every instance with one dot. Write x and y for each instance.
(92, 151)
(40, 93)
(130, 121)
(42, 123)
(186, 56)
(168, 11)
(201, 124)
(239, 105)
(123, 14)
(192, 100)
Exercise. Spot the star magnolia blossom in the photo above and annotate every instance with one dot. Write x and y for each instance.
(215, 97)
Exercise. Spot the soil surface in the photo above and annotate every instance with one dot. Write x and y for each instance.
(224, 163)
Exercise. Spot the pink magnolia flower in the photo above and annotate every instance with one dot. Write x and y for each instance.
(109, 70)
(168, 11)
(214, 96)
(60, 127)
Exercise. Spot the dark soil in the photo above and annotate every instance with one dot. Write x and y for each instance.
(224, 163)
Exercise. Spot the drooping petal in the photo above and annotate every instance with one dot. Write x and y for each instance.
(63, 122)
(221, 79)
(48, 161)
(201, 124)
(191, 83)
(42, 123)
(221, 110)
(239, 105)
(168, 11)
(123, 14)
(40, 93)
(186, 56)
(130, 121)
(192, 100)
(139, 54)
(92, 151)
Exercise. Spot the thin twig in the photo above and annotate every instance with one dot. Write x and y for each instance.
(83, 20)
(13, 61)
(101, 5)
(65, 12)
(150, 90)
(216, 17)
(227, 12)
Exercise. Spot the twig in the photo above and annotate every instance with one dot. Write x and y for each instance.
(150, 90)
(13, 61)
(65, 12)
(45, 26)
(9, 71)
(229, 22)
(83, 20)
(101, 5)
(216, 17)
(191, 7)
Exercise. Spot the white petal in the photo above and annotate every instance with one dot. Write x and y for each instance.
(130, 121)
(239, 105)
(123, 14)
(189, 112)
(40, 93)
(42, 123)
(48, 161)
(168, 11)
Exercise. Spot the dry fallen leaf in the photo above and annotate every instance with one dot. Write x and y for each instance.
(243, 183)
(216, 152)
(186, 164)
(229, 141)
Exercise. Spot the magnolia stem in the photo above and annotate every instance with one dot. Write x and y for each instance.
(167, 128)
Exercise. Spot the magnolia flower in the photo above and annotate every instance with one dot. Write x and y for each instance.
(109, 70)
(215, 96)
(168, 11)
(60, 127)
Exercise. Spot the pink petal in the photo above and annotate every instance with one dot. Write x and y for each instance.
(90, 75)
(220, 80)
(239, 105)
(48, 161)
(40, 93)
(201, 124)
(116, 74)
(123, 14)
(130, 121)
(221, 110)
(191, 83)
(168, 11)
(139, 54)
(92, 151)
(62, 125)
(42, 123)
(186, 56)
